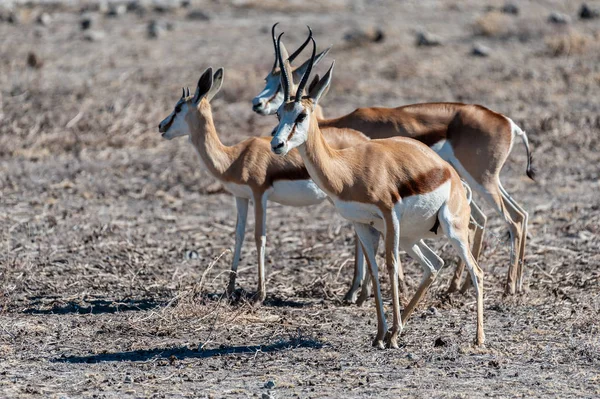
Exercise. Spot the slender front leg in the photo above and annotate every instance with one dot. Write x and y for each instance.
(240, 232)
(429, 261)
(365, 291)
(359, 271)
(369, 238)
(392, 260)
(260, 237)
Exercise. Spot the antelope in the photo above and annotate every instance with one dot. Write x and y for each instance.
(398, 187)
(473, 139)
(248, 170)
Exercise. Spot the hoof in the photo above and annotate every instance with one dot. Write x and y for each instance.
(350, 297)
(391, 340)
(378, 343)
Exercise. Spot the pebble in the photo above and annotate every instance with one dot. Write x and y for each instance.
(191, 255)
(117, 10)
(198, 15)
(86, 22)
(510, 8)
(94, 35)
(155, 30)
(427, 39)
(266, 396)
(269, 384)
(44, 19)
(33, 61)
(559, 18)
(585, 12)
(479, 50)
(439, 341)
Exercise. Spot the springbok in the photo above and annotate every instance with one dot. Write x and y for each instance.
(248, 170)
(473, 139)
(396, 187)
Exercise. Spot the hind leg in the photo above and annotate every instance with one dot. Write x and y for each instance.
(359, 272)
(519, 212)
(476, 229)
(457, 232)
(431, 265)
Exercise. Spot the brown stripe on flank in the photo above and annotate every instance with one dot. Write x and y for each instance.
(425, 183)
(299, 173)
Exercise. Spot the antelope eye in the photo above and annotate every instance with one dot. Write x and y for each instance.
(177, 108)
(301, 118)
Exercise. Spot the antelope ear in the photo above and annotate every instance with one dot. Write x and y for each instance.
(314, 82)
(204, 84)
(299, 72)
(319, 89)
(216, 84)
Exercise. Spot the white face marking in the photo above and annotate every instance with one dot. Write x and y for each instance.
(175, 125)
(296, 193)
(292, 130)
(268, 101)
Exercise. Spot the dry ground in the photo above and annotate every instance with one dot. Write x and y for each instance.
(102, 296)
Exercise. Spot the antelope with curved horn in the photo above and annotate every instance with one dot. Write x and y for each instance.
(248, 170)
(399, 188)
(473, 139)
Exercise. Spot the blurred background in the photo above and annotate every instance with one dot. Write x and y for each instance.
(96, 208)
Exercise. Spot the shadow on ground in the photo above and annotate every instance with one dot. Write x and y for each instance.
(186, 353)
(99, 306)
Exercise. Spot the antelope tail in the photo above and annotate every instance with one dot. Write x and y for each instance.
(516, 130)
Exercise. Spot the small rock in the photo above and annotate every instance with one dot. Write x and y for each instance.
(137, 7)
(44, 19)
(266, 396)
(14, 18)
(269, 384)
(33, 61)
(585, 12)
(359, 36)
(433, 311)
(94, 35)
(128, 379)
(191, 255)
(86, 22)
(198, 15)
(155, 29)
(510, 8)
(439, 341)
(116, 10)
(412, 357)
(164, 7)
(559, 18)
(479, 50)
(428, 39)
(185, 3)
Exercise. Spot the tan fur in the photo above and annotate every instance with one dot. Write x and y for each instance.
(251, 162)
(382, 173)
(480, 139)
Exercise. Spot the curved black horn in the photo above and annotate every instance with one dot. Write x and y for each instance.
(297, 52)
(307, 73)
(187, 94)
(285, 78)
(274, 45)
(183, 92)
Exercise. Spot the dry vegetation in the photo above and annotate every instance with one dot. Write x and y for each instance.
(114, 245)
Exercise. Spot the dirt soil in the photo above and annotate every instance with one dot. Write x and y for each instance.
(115, 245)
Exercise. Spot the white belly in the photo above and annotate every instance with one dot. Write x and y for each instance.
(296, 193)
(239, 190)
(360, 213)
(416, 214)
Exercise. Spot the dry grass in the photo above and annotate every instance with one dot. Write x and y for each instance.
(98, 212)
(569, 43)
(493, 24)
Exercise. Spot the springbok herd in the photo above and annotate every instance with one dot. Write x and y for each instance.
(390, 171)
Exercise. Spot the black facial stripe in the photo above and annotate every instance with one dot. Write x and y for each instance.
(170, 122)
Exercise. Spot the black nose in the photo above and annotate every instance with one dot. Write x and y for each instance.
(256, 106)
(278, 146)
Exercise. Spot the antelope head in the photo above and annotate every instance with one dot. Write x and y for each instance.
(268, 101)
(177, 123)
(296, 114)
